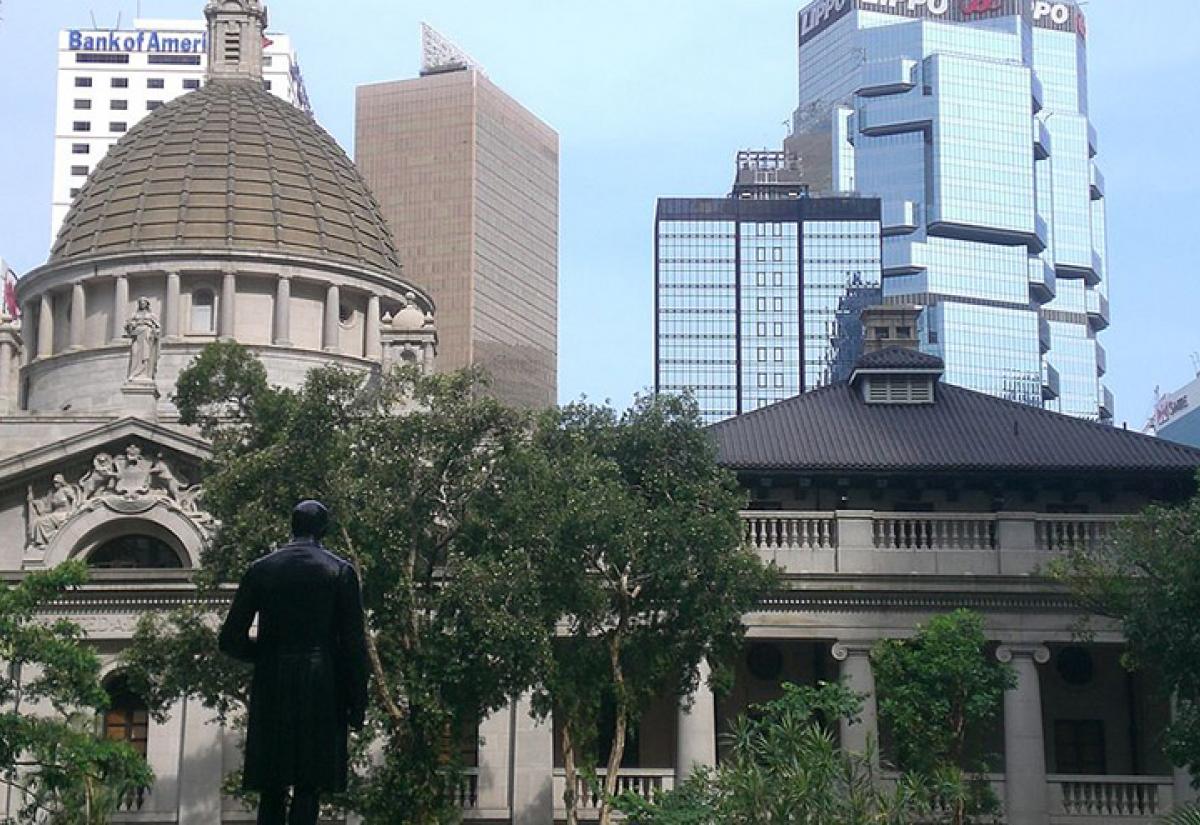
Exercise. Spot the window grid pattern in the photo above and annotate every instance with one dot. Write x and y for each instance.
(770, 304)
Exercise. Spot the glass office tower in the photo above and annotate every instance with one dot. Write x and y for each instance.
(968, 118)
(756, 297)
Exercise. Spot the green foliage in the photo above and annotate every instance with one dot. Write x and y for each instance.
(640, 553)
(1183, 816)
(412, 468)
(784, 766)
(1148, 578)
(938, 692)
(50, 754)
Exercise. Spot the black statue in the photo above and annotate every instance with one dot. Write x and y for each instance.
(310, 669)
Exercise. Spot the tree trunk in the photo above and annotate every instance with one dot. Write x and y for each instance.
(617, 754)
(570, 796)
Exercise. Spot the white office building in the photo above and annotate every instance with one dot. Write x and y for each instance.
(108, 80)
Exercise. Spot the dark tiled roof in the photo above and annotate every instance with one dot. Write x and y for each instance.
(228, 167)
(833, 429)
(897, 358)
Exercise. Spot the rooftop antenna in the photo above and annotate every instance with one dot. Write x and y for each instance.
(1196, 363)
(440, 54)
(94, 24)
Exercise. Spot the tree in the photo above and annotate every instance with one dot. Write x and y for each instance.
(1147, 577)
(640, 556)
(51, 757)
(411, 467)
(937, 693)
(784, 766)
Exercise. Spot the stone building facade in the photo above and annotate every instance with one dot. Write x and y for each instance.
(885, 500)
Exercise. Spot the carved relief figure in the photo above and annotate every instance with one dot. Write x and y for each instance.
(130, 479)
(50, 512)
(144, 332)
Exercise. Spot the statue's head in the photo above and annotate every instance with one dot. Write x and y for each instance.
(144, 304)
(310, 519)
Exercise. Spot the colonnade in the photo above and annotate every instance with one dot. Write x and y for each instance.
(42, 308)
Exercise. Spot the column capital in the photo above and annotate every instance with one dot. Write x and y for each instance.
(284, 276)
(1038, 652)
(844, 649)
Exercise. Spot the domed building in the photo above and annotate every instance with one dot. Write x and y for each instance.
(226, 214)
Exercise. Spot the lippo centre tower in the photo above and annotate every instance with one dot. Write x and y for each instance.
(969, 119)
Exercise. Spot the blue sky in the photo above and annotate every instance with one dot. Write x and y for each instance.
(652, 98)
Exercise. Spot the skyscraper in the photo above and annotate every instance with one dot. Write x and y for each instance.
(969, 118)
(110, 79)
(753, 293)
(468, 181)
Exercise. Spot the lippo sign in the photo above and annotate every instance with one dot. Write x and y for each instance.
(154, 42)
(1044, 14)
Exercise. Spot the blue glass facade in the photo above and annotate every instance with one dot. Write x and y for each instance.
(969, 121)
(758, 300)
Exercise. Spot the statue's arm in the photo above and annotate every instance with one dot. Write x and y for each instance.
(234, 639)
(353, 644)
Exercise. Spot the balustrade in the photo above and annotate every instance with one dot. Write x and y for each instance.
(643, 782)
(1110, 796)
(926, 531)
(778, 530)
(1065, 534)
(466, 793)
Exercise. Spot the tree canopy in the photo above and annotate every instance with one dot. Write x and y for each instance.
(51, 759)
(1147, 577)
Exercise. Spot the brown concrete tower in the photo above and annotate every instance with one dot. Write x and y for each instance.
(468, 181)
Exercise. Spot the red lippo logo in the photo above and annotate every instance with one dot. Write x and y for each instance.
(981, 6)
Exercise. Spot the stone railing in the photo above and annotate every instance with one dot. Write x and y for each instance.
(929, 531)
(1063, 534)
(872, 541)
(1104, 798)
(643, 782)
(467, 793)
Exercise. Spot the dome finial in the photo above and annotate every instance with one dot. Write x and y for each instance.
(235, 39)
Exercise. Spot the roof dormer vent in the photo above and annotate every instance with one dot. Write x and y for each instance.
(898, 376)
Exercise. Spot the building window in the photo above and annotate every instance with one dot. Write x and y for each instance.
(760, 254)
(778, 279)
(203, 312)
(762, 330)
(117, 126)
(267, 85)
(134, 552)
(151, 105)
(191, 83)
(777, 229)
(82, 103)
(761, 304)
(762, 379)
(74, 191)
(760, 279)
(778, 304)
(778, 353)
(1079, 746)
(779, 380)
(779, 330)
(118, 105)
(83, 83)
(80, 148)
(127, 718)
(100, 57)
(777, 254)
(155, 83)
(762, 353)
(120, 83)
(174, 59)
(81, 126)
(79, 170)
(267, 60)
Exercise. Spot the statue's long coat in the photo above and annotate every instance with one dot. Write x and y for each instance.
(310, 665)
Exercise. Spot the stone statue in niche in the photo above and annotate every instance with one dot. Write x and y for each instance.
(129, 482)
(144, 332)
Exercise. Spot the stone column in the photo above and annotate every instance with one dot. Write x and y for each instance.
(333, 300)
(10, 347)
(1183, 792)
(1026, 798)
(228, 312)
(696, 730)
(200, 766)
(45, 328)
(282, 334)
(78, 314)
(495, 748)
(533, 766)
(120, 309)
(856, 673)
(29, 331)
(373, 346)
(171, 308)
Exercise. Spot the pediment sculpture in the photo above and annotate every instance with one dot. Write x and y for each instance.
(127, 483)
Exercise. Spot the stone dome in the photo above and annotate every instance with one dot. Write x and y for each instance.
(228, 168)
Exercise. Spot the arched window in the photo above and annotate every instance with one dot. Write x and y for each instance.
(134, 551)
(204, 314)
(127, 718)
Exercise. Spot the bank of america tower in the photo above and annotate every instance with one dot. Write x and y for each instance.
(969, 118)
